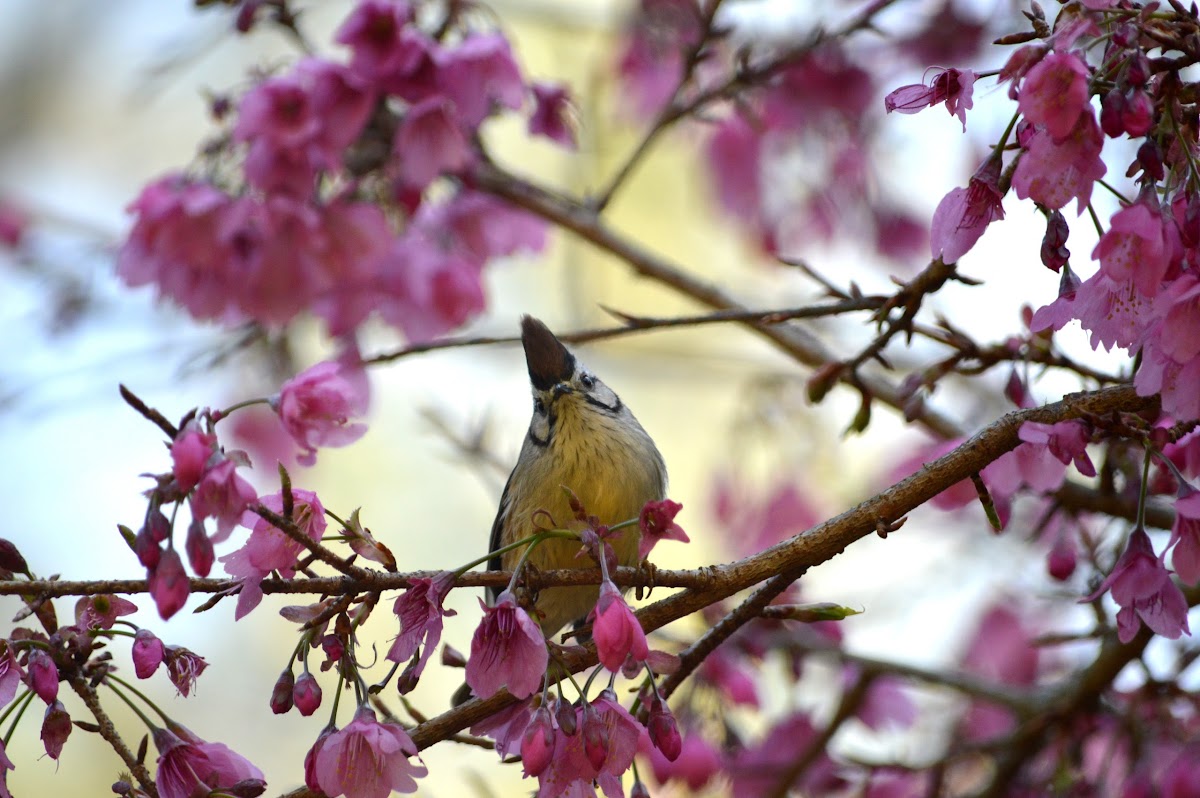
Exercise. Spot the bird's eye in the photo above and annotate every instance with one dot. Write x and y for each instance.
(587, 381)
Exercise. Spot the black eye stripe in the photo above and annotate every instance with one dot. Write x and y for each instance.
(594, 402)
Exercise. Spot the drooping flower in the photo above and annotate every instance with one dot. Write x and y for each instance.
(317, 404)
(1185, 537)
(950, 86)
(551, 114)
(616, 630)
(168, 583)
(56, 728)
(148, 653)
(964, 213)
(657, 522)
(614, 742)
(663, 730)
(367, 759)
(224, 495)
(507, 650)
(420, 612)
(42, 675)
(1053, 172)
(270, 549)
(190, 453)
(430, 142)
(1141, 584)
(1134, 248)
(183, 668)
(188, 766)
(1055, 92)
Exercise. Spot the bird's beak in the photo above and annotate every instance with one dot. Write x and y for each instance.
(561, 388)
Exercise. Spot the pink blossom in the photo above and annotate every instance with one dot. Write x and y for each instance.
(616, 630)
(367, 759)
(101, 611)
(1133, 249)
(657, 522)
(1053, 172)
(885, 704)
(652, 57)
(183, 668)
(269, 549)
(950, 86)
(1161, 374)
(430, 143)
(430, 290)
(300, 123)
(1061, 311)
(507, 727)
(1000, 650)
(507, 650)
(1055, 93)
(168, 584)
(42, 675)
(56, 728)
(1141, 584)
(478, 73)
(698, 762)
(964, 213)
(148, 653)
(374, 31)
(1067, 441)
(306, 694)
(190, 453)
(755, 770)
(11, 673)
(171, 246)
(420, 612)
(615, 741)
(317, 404)
(14, 222)
(222, 495)
(188, 766)
(551, 114)
(1185, 537)
(735, 159)
(1114, 314)
(732, 677)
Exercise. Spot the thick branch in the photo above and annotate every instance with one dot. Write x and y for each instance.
(829, 539)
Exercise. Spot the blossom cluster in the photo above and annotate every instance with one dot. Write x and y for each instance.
(355, 197)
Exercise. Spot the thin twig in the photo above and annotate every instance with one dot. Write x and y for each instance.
(108, 731)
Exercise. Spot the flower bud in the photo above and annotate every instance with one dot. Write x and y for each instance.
(307, 694)
(281, 694)
(537, 744)
(664, 732)
(43, 675)
(595, 737)
(564, 713)
(148, 653)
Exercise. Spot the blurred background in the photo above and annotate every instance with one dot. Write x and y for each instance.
(98, 99)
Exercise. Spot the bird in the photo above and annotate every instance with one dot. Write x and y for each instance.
(584, 438)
